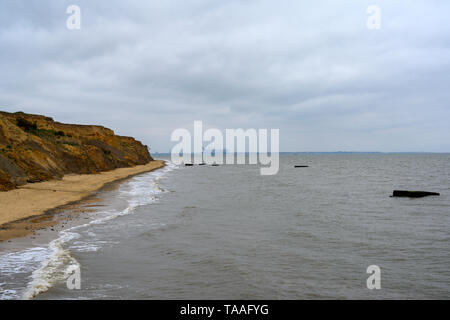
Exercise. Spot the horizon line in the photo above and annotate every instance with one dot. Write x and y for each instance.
(280, 152)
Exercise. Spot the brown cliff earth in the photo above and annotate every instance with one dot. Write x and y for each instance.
(35, 148)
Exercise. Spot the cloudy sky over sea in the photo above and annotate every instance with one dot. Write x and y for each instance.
(310, 68)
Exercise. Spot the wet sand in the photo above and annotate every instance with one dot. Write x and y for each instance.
(30, 207)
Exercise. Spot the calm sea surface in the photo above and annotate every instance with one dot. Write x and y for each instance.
(227, 232)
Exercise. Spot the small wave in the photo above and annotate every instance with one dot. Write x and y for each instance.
(7, 294)
(157, 186)
(54, 269)
(21, 261)
(16, 265)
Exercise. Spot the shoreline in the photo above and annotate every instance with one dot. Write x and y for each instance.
(38, 201)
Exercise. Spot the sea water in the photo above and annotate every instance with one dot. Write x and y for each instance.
(227, 232)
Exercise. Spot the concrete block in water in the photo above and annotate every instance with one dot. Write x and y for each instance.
(413, 194)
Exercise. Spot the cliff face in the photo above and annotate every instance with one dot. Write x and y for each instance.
(35, 148)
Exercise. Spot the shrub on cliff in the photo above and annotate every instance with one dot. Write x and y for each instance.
(26, 125)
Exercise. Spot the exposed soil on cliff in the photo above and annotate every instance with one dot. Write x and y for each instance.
(35, 148)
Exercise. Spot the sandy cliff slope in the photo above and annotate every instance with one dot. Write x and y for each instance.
(35, 148)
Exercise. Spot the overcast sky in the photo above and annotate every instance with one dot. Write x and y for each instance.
(310, 68)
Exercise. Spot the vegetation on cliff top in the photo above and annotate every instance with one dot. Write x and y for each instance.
(35, 148)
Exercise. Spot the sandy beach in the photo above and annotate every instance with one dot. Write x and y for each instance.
(35, 199)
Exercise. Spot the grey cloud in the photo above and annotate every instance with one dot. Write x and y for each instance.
(311, 69)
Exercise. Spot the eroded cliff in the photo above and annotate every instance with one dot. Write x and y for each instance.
(35, 148)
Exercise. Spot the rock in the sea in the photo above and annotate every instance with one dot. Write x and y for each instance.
(413, 194)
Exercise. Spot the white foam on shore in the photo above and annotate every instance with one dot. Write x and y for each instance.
(19, 264)
(54, 269)
(56, 260)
